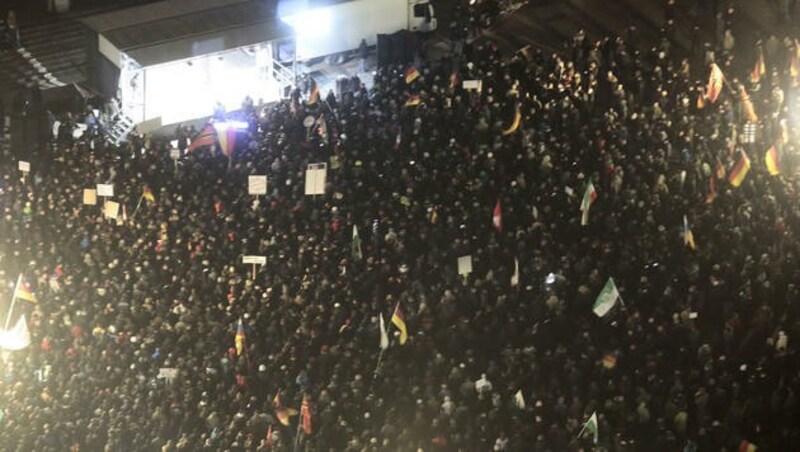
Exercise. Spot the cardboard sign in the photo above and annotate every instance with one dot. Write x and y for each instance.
(477, 85)
(90, 196)
(111, 209)
(167, 373)
(315, 178)
(257, 185)
(465, 265)
(174, 154)
(24, 166)
(105, 190)
(258, 260)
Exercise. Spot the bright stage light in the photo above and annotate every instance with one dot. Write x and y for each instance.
(177, 92)
(314, 22)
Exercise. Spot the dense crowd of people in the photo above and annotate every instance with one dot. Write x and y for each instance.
(700, 354)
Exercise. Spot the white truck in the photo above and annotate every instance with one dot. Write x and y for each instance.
(332, 27)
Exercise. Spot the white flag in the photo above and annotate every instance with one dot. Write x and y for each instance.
(384, 337)
(592, 427)
(607, 299)
(16, 338)
(519, 400)
(515, 276)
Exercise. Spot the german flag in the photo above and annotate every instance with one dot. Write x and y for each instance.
(148, 194)
(759, 69)
(227, 141)
(413, 100)
(514, 123)
(739, 170)
(719, 169)
(688, 237)
(454, 79)
(23, 290)
(313, 98)
(747, 446)
(712, 190)
(285, 414)
(771, 159)
(239, 338)
(305, 413)
(206, 137)
(411, 74)
(609, 361)
(399, 320)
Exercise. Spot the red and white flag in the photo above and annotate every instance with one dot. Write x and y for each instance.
(497, 217)
(715, 82)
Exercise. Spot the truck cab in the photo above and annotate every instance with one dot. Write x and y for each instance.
(421, 16)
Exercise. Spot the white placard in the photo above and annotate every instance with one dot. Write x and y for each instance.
(89, 196)
(174, 154)
(24, 166)
(477, 85)
(465, 265)
(257, 185)
(111, 209)
(105, 190)
(167, 373)
(258, 260)
(315, 178)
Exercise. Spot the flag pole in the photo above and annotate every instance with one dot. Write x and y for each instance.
(138, 204)
(13, 301)
(582, 430)
(380, 356)
(297, 435)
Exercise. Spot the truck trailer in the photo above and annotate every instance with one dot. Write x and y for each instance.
(333, 27)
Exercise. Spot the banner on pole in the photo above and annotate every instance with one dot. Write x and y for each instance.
(258, 260)
(257, 185)
(315, 178)
(90, 196)
(465, 265)
(111, 210)
(106, 190)
(476, 85)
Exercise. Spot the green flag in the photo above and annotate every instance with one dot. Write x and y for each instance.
(607, 299)
(356, 246)
(589, 198)
(591, 426)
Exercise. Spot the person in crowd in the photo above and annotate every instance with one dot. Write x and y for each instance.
(149, 333)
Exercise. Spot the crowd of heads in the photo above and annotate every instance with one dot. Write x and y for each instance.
(700, 354)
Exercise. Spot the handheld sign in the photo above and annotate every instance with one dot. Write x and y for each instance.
(174, 154)
(24, 166)
(315, 178)
(167, 373)
(257, 185)
(106, 190)
(90, 196)
(308, 123)
(111, 209)
(476, 85)
(465, 265)
(254, 260)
